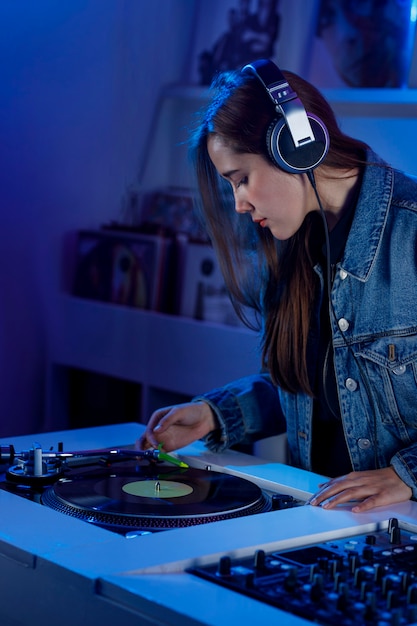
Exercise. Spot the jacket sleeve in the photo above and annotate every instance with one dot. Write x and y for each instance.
(246, 409)
(404, 463)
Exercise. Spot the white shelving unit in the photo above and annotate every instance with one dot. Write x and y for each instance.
(169, 356)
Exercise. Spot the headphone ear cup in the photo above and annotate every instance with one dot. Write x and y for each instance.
(298, 160)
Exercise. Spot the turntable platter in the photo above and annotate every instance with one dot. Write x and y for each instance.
(154, 496)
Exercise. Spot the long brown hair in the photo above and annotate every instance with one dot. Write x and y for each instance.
(276, 278)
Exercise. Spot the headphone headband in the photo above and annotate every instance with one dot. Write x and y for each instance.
(308, 140)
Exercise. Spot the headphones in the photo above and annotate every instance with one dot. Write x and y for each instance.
(297, 141)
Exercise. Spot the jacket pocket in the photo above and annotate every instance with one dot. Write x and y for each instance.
(391, 370)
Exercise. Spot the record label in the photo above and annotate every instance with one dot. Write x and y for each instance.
(157, 489)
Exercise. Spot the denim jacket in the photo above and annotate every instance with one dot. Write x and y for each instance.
(373, 317)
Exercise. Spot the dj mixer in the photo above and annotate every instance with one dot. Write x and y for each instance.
(93, 531)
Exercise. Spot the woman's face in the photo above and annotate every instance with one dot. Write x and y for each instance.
(275, 199)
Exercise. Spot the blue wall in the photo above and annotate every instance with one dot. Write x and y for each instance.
(79, 82)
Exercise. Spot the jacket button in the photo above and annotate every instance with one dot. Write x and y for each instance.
(399, 370)
(343, 324)
(350, 384)
(343, 274)
(364, 444)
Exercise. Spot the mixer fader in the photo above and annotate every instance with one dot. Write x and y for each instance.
(359, 580)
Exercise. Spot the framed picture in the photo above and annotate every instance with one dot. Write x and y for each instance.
(171, 210)
(123, 268)
(231, 33)
(363, 44)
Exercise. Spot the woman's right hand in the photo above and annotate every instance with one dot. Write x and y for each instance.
(176, 426)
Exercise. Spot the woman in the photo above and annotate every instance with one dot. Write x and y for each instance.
(339, 374)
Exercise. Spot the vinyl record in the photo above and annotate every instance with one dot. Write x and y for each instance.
(154, 496)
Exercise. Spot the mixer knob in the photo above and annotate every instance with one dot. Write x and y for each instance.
(411, 614)
(362, 574)
(259, 559)
(370, 540)
(313, 571)
(354, 561)
(395, 535)
(343, 597)
(392, 523)
(378, 572)
(368, 553)
(370, 606)
(339, 580)
(335, 566)
(406, 580)
(412, 594)
(323, 563)
(225, 567)
(393, 600)
(316, 590)
(249, 580)
(390, 582)
(291, 579)
(396, 617)
(366, 588)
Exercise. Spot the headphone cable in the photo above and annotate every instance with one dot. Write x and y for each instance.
(311, 177)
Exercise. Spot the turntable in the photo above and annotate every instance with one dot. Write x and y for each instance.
(130, 491)
(69, 565)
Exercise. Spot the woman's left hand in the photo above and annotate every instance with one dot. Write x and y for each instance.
(368, 489)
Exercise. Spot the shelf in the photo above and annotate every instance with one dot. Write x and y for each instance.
(158, 351)
(380, 103)
(373, 115)
(155, 349)
(351, 102)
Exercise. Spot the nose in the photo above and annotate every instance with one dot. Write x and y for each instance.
(242, 205)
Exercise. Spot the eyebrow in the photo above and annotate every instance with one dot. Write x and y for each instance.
(229, 173)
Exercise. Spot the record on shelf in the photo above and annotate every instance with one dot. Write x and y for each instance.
(144, 496)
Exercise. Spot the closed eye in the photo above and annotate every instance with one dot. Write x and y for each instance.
(242, 181)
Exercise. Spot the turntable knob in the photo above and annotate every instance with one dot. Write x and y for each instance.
(132, 534)
(281, 501)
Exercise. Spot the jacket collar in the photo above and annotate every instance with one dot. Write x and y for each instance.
(370, 218)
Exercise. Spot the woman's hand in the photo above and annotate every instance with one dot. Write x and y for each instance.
(372, 488)
(178, 425)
